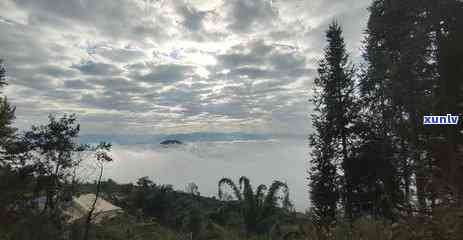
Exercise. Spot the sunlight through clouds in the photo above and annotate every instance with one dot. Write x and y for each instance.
(148, 67)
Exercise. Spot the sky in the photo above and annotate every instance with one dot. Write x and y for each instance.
(133, 69)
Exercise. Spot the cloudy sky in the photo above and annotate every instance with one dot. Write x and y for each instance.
(148, 67)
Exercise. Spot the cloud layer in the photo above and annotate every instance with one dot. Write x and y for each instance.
(158, 66)
(205, 163)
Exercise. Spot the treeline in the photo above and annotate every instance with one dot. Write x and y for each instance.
(243, 210)
(240, 211)
(150, 203)
(42, 166)
(371, 153)
(39, 166)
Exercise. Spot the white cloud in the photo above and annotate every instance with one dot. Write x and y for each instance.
(205, 163)
(144, 67)
(170, 65)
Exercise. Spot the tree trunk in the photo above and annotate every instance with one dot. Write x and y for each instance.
(89, 219)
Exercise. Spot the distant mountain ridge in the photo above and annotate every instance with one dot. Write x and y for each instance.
(181, 137)
(170, 142)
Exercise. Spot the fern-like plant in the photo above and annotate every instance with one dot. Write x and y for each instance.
(258, 208)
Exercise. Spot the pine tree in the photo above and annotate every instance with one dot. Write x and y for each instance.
(380, 145)
(6, 115)
(10, 183)
(397, 87)
(335, 113)
(445, 24)
(323, 176)
(2, 74)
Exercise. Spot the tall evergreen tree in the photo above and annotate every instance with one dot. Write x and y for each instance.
(332, 143)
(397, 87)
(412, 51)
(445, 26)
(10, 183)
(6, 114)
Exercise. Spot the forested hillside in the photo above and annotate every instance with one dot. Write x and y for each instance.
(373, 156)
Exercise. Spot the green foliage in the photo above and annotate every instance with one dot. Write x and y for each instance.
(52, 150)
(380, 154)
(412, 72)
(7, 116)
(397, 86)
(7, 132)
(258, 210)
(169, 207)
(195, 223)
(229, 182)
(2, 74)
(16, 186)
(335, 112)
(446, 223)
(370, 153)
(125, 227)
(32, 225)
(36, 163)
